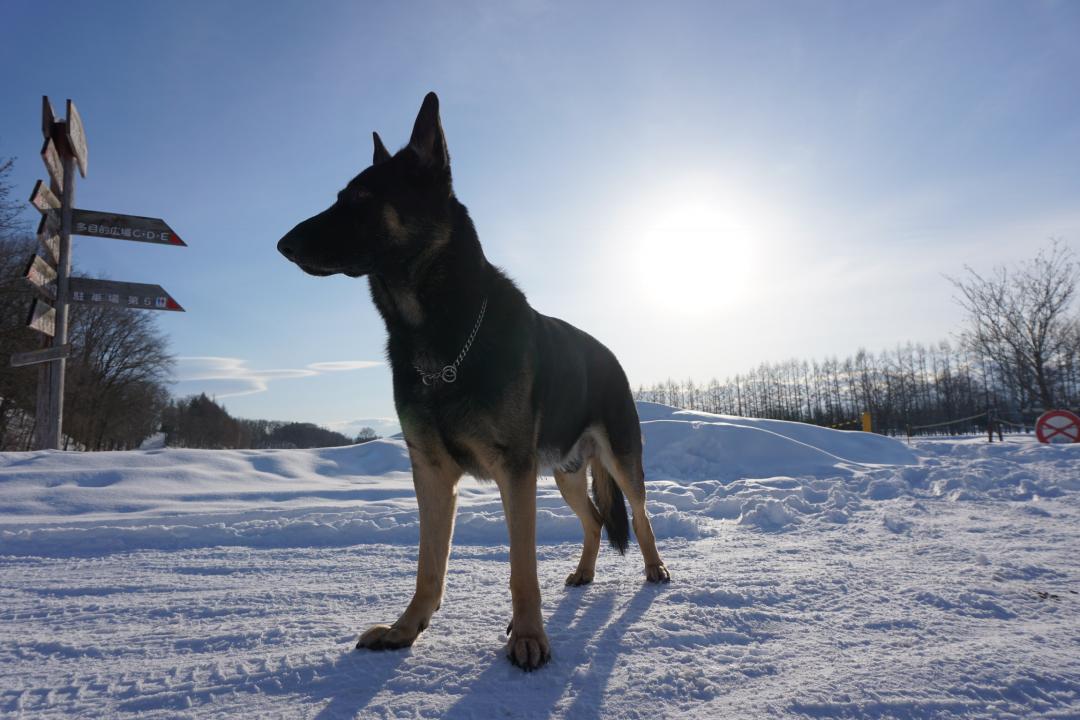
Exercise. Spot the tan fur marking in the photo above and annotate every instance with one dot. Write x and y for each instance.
(515, 427)
(394, 228)
(528, 644)
(574, 489)
(408, 305)
(406, 302)
(630, 477)
(435, 477)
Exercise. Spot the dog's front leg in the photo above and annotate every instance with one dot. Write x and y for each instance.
(436, 497)
(528, 644)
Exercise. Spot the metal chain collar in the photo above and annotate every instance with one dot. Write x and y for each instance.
(449, 373)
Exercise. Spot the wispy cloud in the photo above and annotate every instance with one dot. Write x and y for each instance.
(340, 365)
(231, 377)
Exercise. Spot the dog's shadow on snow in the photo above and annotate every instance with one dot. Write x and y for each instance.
(354, 680)
(349, 681)
(586, 644)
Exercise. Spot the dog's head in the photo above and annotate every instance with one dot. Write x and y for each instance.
(388, 215)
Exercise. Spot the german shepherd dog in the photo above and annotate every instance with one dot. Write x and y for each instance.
(483, 384)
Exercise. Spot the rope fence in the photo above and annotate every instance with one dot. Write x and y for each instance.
(993, 423)
(947, 422)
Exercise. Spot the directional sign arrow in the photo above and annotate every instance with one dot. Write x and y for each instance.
(41, 275)
(48, 117)
(43, 198)
(140, 296)
(42, 318)
(124, 227)
(53, 163)
(76, 137)
(48, 234)
(39, 356)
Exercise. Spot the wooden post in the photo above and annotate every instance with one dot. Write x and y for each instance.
(41, 412)
(63, 274)
(54, 163)
(990, 426)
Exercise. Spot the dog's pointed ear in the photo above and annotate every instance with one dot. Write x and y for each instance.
(428, 140)
(381, 153)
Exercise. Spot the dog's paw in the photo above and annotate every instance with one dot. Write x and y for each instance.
(579, 577)
(528, 650)
(386, 637)
(657, 573)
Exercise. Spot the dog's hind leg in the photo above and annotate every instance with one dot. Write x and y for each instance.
(573, 487)
(435, 479)
(630, 477)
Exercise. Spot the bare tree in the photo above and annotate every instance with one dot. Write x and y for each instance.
(1019, 317)
(16, 246)
(17, 385)
(117, 374)
(11, 222)
(366, 434)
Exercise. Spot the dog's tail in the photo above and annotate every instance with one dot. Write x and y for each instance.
(609, 500)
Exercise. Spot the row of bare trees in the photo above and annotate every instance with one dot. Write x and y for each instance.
(1018, 354)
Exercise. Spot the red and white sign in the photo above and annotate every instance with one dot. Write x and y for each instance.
(1058, 426)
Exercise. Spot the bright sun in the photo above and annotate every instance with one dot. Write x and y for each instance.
(696, 251)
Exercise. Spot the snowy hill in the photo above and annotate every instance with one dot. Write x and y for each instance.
(816, 573)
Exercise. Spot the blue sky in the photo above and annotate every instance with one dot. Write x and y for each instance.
(702, 186)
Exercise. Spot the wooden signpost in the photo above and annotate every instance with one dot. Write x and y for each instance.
(39, 356)
(43, 198)
(48, 117)
(42, 318)
(48, 235)
(76, 137)
(41, 275)
(125, 227)
(65, 149)
(122, 294)
(51, 157)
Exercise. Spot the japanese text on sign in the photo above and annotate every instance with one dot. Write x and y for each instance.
(82, 228)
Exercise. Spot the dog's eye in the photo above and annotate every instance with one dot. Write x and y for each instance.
(361, 194)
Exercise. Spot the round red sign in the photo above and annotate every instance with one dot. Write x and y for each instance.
(1058, 426)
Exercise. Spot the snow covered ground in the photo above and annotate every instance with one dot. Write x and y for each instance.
(816, 573)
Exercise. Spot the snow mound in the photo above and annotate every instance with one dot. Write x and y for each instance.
(748, 447)
(49, 483)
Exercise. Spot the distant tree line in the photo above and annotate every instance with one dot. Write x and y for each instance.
(1018, 354)
(200, 422)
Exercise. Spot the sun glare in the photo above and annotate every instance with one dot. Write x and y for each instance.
(696, 251)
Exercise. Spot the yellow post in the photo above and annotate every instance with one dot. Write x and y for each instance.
(867, 426)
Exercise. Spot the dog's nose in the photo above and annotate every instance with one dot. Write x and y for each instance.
(285, 249)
